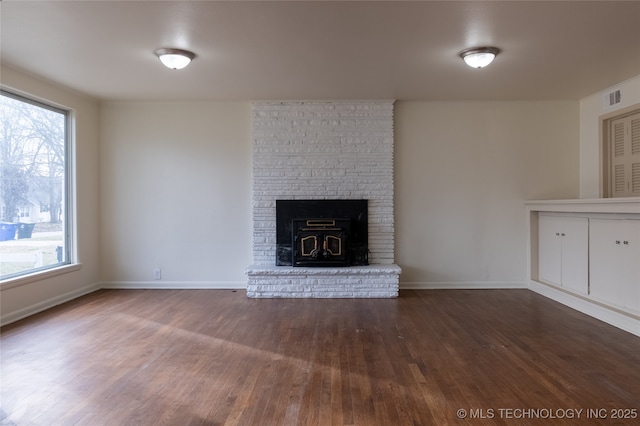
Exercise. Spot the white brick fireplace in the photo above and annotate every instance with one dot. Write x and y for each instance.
(317, 151)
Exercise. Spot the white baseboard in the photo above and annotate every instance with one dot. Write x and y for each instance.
(462, 285)
(47, 304)
(174, 285)
(593, 309)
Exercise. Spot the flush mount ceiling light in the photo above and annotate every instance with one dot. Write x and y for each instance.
(479, 57)
(175, 59)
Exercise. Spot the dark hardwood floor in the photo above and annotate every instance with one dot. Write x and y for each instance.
(215, 357)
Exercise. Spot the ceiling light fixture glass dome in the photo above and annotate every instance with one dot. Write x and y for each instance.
(479, 57)
(175, 59)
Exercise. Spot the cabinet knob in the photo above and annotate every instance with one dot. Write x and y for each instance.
(617, 241)
(557, 234)
(626, 243)
(562, 234)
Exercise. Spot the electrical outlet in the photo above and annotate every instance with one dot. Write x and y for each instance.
(157, 274)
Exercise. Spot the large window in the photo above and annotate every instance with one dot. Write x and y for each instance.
(34, 186)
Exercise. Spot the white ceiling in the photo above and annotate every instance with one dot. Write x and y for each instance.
(325, 50)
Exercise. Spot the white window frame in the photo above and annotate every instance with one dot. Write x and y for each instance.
(68, 203)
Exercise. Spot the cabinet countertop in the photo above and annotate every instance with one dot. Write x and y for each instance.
(587, 205)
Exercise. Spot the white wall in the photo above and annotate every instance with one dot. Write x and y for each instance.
(592, 109)
(175, 194)
(463, 173)
(22, 297)
(176, 189)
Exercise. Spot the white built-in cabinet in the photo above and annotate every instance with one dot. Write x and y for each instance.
(586, 254)
(564, 251)
(593, 255)
(614, 260)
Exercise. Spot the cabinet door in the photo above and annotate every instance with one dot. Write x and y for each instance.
(574, 237)
(563, 257)
(631, 263)
(615, 262)
(549, 250)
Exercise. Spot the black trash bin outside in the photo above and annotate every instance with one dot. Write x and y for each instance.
(25, 230)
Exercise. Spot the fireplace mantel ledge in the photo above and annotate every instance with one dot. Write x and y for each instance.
(351, 270)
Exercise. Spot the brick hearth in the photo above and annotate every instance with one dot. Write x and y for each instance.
(354, 281)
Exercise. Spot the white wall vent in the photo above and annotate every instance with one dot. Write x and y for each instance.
(613, 98)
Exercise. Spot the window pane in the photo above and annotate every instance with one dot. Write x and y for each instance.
(33, 186)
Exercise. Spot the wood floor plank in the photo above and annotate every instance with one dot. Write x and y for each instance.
(216, 357)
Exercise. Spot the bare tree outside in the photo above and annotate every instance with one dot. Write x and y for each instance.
(32, 185)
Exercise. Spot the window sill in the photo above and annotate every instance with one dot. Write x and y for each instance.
(39, 276)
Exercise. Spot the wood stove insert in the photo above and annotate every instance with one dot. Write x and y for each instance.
(320, 242)
(323, 233)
